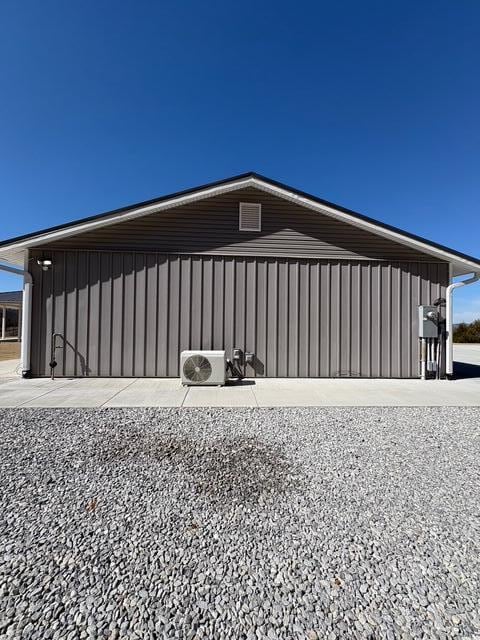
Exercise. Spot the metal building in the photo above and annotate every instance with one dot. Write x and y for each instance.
(308, 287)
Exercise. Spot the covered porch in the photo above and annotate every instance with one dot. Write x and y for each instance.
(10, 316)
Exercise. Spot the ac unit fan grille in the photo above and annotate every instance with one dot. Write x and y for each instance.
(197, 368)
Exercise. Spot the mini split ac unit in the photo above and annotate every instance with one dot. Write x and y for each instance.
(203, 367)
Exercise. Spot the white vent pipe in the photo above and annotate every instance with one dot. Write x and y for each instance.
(449, 320)
(26, 315)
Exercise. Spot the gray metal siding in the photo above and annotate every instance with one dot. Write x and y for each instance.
(210, 227)
(130, 314)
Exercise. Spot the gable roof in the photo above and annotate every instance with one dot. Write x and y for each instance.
(12, 250)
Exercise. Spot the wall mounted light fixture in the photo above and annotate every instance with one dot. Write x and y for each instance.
(45, 263)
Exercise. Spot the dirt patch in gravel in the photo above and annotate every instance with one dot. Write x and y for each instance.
(243, 468)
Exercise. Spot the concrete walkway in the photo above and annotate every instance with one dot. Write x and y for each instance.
(9, 369)
(280, 392)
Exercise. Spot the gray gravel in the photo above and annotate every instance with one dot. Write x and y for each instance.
(282, 523)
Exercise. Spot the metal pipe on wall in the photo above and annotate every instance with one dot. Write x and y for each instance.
(423, 358)
(449, 320)
(26, 327)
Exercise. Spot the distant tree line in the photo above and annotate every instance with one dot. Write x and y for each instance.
(467, 332)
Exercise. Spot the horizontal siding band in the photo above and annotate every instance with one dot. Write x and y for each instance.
(211, 227)
(253, 253)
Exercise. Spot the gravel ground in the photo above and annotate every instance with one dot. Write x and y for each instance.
(252, 523)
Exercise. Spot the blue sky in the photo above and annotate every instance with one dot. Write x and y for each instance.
(373, 105)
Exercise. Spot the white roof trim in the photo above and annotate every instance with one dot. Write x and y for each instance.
(10, 252)
(365, 224)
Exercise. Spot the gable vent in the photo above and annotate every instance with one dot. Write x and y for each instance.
(250, 216)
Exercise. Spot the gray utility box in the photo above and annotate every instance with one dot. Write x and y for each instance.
(427, 324)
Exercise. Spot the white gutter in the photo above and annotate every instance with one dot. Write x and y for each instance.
(26, 315)
(449, 320)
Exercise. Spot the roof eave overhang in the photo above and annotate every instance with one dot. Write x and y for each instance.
(14, 252)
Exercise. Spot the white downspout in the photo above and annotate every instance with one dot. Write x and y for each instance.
(26, 315)
(449, 320)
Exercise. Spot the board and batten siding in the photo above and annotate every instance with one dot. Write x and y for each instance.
(132, 313)
(211, 226)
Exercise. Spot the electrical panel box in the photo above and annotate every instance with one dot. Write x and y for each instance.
(427, 321)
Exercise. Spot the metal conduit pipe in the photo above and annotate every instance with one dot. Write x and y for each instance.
(449, 320)
(26, 315)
